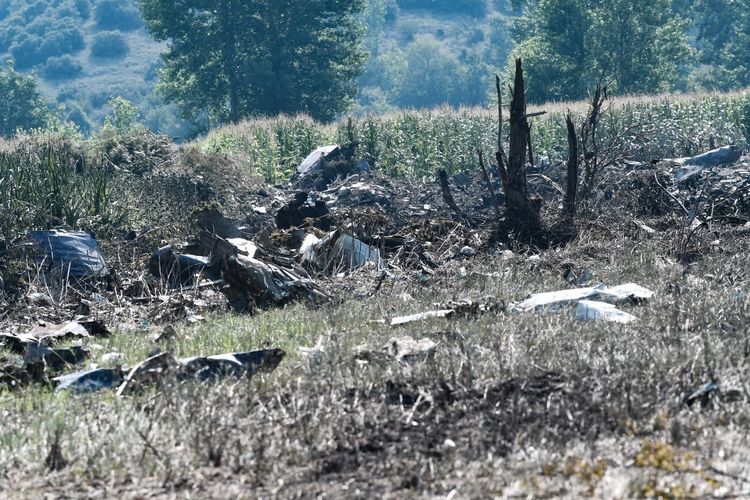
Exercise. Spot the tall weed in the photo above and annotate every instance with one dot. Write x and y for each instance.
(48, 182)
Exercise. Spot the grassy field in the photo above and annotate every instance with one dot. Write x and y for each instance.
(531, 405)
(510, 405)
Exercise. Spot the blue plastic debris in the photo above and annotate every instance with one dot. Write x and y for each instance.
(74, 253)
(89, 381)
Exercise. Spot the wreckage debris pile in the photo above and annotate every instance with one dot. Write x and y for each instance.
(335, 219)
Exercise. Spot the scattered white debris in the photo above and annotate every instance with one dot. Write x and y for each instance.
(591, 310)
(629, 292)
(413, 318)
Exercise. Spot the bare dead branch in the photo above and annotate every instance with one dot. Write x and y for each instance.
(488, 182)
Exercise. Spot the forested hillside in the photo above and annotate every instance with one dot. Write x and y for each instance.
(420, 53)
(84, 53)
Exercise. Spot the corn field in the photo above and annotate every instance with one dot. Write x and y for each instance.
(416, 144)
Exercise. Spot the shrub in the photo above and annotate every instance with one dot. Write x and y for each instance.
(31, 49)
(62, 68)
(25, 51)
(67, 40)
(124, 117)
(118, 14)
(22, 105)
(8, 35)
(33, 10)
(109, 45)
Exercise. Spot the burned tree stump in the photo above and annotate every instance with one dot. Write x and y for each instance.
(521, 218)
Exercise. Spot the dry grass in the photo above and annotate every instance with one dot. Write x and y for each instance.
(514, 405)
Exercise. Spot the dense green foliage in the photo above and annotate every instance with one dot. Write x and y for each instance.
(425, 54)
(21, 106)
(570, 45)
(235, 59)
(49, 183)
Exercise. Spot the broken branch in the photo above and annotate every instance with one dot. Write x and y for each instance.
(488, 181)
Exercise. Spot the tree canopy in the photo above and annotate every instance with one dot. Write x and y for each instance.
(21, 104)
(229, 59)
(569, 45)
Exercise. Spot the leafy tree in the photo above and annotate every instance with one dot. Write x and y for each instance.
(433, 75)
(124, 117)
(77, 115)
(735, 60)
(21, 104)
(237, 58)
(723, 39)
(40, 42)
(569, 45)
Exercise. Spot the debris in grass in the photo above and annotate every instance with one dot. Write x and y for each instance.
(688, 168)
(167, 334)
(74, 254)
(158, 368)
(414, 318)
(399, 349)
(16, 343)
(337, 251)
(149, 372)
(303, 208)
(464, 308)
(69, 330)
(14, 377)
(176, 269)
(238, 364)
(313, 353)
(111, 357)
(252, 283)
(621, 294)
(703, 394)
(89, 380)
(325, 164)
(591, 310)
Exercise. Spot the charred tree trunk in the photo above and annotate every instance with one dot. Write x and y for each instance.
(571, 190)
(520, 215)
(448, 197)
